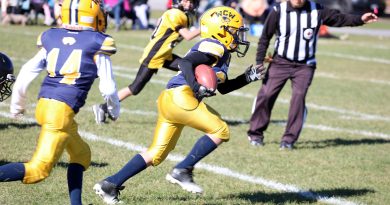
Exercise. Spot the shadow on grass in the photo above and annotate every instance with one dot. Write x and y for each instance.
(93, 164)
(233, 122)
(340, 142)
(62, 164)
(304, 197)
(3, 162)
(17, 125)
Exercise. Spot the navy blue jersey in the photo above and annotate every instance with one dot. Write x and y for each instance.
(70, 63)
(209, 47)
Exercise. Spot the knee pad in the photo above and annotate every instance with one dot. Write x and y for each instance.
(36, 171)
(158, 155)
(83, 157)
(223, 133)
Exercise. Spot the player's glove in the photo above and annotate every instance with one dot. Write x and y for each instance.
(253, 73)
(204, 92)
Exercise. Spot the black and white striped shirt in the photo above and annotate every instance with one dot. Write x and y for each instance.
(296, 30)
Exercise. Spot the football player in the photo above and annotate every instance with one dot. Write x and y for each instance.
(73, 57)
(7, 77)
(180, 104)
(171, 29)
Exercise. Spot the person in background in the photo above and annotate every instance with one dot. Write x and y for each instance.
(173, 27)
(114, 7)
(141, 9)
(180, 104)
(296, 24)
(254, 11)
(16, 12)
(73, 56)
(231, 3)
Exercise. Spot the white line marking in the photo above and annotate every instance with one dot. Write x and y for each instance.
(355, 57)
(212, 168)
(354, 44)
(309, 126)
(285, 101)
(333, 76)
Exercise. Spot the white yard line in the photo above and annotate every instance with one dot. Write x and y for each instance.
(212, 168)
(355, 57)
(355, 44)
(314, 106)
(319, 127)
(307, 126)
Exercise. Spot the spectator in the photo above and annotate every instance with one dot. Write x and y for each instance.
(114, 8)
(231, 3)
(16, 12)
(254, 12)
(293, 59)
(141, 9)
(42, 6)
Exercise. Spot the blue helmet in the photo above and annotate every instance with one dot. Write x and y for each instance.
(7, 77)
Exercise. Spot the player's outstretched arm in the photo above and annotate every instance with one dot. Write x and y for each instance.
(189, 34)
(27, 74)
(107, 85)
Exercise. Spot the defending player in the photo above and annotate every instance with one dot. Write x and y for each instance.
(73, 56)
(172, 27)
(180, 105)
(7, 77)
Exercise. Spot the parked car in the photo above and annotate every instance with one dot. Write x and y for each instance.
(356, 6)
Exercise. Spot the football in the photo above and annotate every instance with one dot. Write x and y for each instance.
(205, 76)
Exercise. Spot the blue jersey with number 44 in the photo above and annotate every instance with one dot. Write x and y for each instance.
(70, 63)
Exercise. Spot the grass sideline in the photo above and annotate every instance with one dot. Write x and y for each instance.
(342, 154)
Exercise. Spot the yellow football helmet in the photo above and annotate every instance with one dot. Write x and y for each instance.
(84, 15)
(226, 25)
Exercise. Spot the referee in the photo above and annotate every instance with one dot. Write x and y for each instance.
(295, 23)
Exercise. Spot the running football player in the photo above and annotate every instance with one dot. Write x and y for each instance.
(172, 28)
(73, 57)
(180, 104)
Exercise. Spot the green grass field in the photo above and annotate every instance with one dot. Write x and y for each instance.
(342, 156)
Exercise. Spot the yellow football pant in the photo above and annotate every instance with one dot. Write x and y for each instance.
(58, 132)
(177, 107)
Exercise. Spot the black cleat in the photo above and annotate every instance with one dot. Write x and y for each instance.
(108, 191)
(256, 141)
(286, 146)
(183, 177)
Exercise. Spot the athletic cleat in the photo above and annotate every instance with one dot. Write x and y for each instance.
(108, 192)
(183, 177)
(100, 113)
(256, 141)
(286, 146)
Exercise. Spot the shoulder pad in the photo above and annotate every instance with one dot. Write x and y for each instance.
(212, 48)
(108, 46)
(177, 18)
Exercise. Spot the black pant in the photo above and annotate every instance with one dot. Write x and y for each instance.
(279, 71)
(144, 73)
